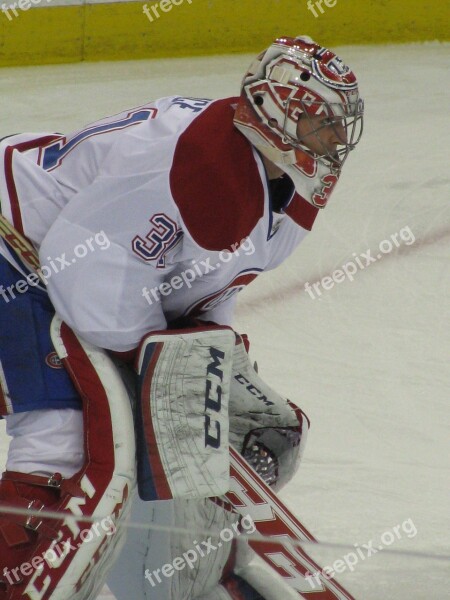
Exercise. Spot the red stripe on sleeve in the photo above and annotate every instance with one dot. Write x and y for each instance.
(9, 176)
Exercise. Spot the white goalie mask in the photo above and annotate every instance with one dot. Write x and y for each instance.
(296, 79)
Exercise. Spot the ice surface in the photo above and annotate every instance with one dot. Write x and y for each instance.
(368, 360)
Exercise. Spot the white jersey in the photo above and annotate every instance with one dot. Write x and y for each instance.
(156, 214)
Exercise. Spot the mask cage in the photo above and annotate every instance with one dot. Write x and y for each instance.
(348, 115)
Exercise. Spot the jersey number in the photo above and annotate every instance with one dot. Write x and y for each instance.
(53, 154)
(164, 235)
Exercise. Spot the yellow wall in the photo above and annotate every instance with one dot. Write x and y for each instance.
(56, 34)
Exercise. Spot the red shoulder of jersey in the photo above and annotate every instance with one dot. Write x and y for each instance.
(215, 180)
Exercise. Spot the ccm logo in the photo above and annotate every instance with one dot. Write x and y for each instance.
(253, 389)
(213, 397)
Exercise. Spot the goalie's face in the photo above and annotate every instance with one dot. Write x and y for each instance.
(321, 135)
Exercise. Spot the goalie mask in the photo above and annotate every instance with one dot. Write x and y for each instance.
(300, 107)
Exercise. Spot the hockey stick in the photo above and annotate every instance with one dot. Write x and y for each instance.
(250, 495)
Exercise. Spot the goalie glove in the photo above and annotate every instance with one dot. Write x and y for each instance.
(268, 430)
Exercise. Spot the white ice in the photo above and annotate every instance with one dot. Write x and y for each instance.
(369, 359)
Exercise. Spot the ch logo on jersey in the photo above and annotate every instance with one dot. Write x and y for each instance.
(163, 236)
(212, 300)
(53, 361)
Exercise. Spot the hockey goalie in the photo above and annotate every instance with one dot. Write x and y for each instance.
(122, 382)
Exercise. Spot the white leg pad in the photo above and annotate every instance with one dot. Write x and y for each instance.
(147, 551)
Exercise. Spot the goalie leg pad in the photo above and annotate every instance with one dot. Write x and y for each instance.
(182, 413)
(267, 429)
(69, 558)
(157, 564)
